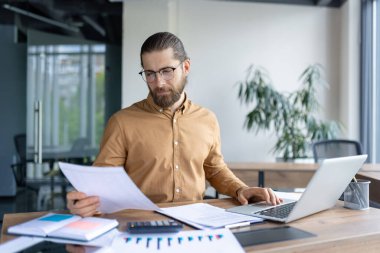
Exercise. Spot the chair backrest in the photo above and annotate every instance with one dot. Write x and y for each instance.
(20, 144)
(80, 145)
(335, 148)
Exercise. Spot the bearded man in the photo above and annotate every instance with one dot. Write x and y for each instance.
(168, 145)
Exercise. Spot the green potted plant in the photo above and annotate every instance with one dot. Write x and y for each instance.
(291, 116)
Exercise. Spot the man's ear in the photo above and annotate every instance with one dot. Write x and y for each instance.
(186, 66)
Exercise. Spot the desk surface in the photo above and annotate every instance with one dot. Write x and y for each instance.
(337, 229)
(305, 170)
(289, 167)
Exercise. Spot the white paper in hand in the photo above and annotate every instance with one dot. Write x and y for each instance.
(111, 184)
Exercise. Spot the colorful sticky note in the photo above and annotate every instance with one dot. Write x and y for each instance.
(56, 217)
(83, 225)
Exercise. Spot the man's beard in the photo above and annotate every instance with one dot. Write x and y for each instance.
(168, 100)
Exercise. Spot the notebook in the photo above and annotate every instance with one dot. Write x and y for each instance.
(322, 192)
(65, 226)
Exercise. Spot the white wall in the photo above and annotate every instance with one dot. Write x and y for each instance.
(350, 66)
(222, 39)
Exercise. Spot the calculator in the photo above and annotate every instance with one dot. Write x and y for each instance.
(163, 226)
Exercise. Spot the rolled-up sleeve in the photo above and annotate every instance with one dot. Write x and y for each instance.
(216, 170)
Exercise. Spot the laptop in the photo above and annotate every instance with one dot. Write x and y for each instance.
(322, 192)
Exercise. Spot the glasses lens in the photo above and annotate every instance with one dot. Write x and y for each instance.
(167, 73)
(149, 76)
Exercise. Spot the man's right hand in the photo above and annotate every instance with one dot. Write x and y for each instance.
(79, 203)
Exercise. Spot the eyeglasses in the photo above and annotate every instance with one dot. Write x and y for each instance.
(167, 73)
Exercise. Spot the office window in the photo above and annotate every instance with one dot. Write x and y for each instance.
(69, 80)
(370, 79)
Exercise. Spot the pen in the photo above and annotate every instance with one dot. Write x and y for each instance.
(238, 225)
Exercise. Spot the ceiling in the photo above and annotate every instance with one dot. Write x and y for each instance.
(328, 3)
(98, 20)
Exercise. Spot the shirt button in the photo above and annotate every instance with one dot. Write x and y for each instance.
(160, 110)
(177, 190)
(176, 167)
(175, 121)
(176, 143)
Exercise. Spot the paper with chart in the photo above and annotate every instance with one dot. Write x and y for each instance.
(210, 241)
(112, 184)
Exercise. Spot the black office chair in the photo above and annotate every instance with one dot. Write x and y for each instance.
(77, 153)
(335, 148)
(19, 168)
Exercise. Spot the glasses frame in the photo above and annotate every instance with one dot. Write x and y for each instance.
(142, 73)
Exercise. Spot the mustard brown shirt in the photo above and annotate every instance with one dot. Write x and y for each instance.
(168, 156)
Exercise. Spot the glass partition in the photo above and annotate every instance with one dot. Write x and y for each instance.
(69, 81)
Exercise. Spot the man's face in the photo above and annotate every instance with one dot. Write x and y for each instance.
(166, 92)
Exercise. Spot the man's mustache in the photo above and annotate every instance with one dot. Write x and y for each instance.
(162, 90)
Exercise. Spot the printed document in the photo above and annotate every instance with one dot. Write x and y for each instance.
(211, 241)
(205, 216)
(112, 184)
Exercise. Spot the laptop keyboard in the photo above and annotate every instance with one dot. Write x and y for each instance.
(278, 211)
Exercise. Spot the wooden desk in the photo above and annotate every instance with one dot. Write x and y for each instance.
(300, 174)
(374, 186)
(303, 171)
(337, 229)
(245, 168)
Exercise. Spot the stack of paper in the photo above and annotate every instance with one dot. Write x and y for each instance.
(205, 216)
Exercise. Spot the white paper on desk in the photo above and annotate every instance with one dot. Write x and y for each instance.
(20, 243)
(289, 195)
(203, 215)
(111, 184)
(215, 241)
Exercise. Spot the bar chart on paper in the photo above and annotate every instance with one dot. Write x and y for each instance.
(220, 241)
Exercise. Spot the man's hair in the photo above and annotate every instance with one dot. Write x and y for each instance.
(161, 41)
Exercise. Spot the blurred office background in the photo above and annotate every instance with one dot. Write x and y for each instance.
(81, 59)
